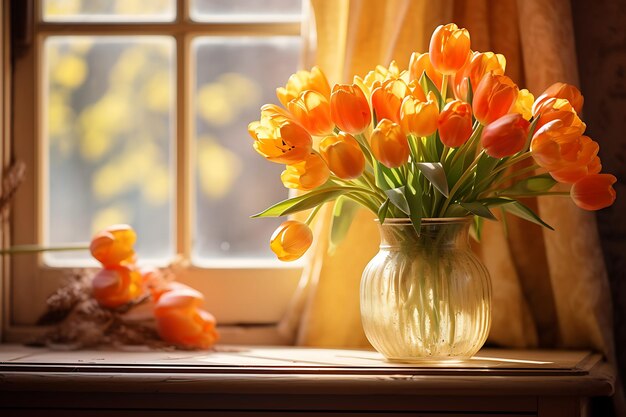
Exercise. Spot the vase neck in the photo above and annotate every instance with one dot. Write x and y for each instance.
(395, 233)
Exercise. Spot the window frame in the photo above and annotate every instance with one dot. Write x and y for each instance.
(229, 287)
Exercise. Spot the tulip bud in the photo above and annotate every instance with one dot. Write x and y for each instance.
(116, 286)
(594, 192)
(455, 123)
(343, 156)
(349, 108)
(301, 81)
(114, 245)
(564, 91)
(306, 175)
(312, 110)
(389, 144)
(479, 64)
(493, 98)
(181, 321)
(449, 48)
(387, 99)
(506, 136)
(419, 64)
(419, 117)
(291, 240)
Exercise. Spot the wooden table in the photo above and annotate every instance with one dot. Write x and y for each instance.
(270, 381)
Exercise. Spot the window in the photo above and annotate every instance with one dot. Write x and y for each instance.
(135, 111)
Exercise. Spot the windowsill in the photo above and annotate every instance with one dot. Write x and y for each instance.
(263, 379)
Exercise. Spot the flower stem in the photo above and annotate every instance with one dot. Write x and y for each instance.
(312, 214)
(459, 183)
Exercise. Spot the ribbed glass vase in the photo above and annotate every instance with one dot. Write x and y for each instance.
(426, 296)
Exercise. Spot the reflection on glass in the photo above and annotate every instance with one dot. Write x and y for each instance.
(246, 10)
(109, 10)
(234, 77)
(108, 126)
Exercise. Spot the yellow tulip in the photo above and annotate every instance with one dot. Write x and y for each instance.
(306, 175)
(280, 140)
(312, 110)
(291, 240)
(301, 81)
(343, 155)
(419, 117)
(389, 144)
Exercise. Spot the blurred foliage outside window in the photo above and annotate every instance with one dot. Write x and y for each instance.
(109, 104)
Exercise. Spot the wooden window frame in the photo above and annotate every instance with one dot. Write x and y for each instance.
(230, 288)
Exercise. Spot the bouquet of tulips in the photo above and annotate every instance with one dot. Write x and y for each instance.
(450, 136)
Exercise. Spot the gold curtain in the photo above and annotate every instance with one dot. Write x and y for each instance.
(550, 288)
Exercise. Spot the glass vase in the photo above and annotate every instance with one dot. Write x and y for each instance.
(426, 296)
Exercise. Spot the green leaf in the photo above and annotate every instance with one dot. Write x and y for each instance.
(470, 94)
(303, 202)
(434, 172)
(383, 211)
(397, 197)
(477, 228)
(478, 209)
(484, 167)
(413, 194)
(520, 210)
(495, 201)
(428, 85)
(343, 214)
(531, 132)
(386, 178)
(537, 184)
(455, 210)
(374, 118)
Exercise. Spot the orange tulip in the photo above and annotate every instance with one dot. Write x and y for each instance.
(280, 140)
(114, 245)
(419, 117)
(389, 144)
(558, 109)
(343, 156)
(455, 123)
(301, 81)
(594, 192)
(116, 286)
(416, 90)
(306, 175)
(584, 162)
(506, 136)
(312, 110)
(291, 240)
(564, 91)
(387, 99)
(419, 64)
(349, 108)
(494, 97)
(181, 321)
(555, 146)
(449, 48)
(476, 67)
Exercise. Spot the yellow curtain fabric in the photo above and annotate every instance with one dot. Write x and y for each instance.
(550, 288)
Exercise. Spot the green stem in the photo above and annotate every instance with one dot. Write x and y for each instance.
(311, 215)
(523, 171)
(459, 183)
(444, 89)
(470, 142)
(22, 249)
(558, 193)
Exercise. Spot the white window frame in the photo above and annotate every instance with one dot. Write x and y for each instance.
(248, 299)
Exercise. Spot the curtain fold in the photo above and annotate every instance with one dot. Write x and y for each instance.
(550, 288)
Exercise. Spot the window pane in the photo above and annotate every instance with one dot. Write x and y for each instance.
(109, 128)
(234, 77)
(246, 10)
(109, 10)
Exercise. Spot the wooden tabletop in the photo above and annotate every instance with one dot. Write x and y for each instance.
(307, 376)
